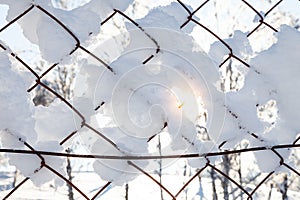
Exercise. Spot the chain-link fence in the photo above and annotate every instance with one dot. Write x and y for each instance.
(225, 177)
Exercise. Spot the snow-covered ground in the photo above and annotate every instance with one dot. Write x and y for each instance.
(141, 188)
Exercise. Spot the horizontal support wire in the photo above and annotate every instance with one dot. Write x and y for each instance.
(151, 157)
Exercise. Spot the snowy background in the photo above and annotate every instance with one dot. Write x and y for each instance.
(171, 91)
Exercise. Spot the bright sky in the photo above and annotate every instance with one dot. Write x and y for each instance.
(14, 38)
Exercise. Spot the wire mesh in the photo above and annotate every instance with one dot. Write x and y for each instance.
(245, 191)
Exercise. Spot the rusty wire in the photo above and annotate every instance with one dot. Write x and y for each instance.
(130, 159)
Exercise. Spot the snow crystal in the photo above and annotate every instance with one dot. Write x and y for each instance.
(239, 44)
(44, 175)
(267, 160)
(166, 17)
(82, 21)
(49, 35)
(55, 122)
(105, 7)
(118, 171)
(16, 108)
(16, 7)
(30, 165)
(279, 65)
(273, 75)
(257, 18)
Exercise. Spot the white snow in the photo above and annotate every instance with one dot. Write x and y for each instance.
(15, 105)
(15, 7)
(167, 95)
(55, 122)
